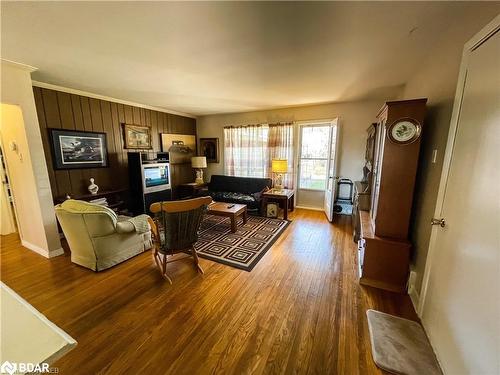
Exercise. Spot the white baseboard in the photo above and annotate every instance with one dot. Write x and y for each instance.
(42, 252)
(310, 208)
(56, 252)
(415, 298)
(412, 291)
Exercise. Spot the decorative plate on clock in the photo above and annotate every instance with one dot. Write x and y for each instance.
(404, 131)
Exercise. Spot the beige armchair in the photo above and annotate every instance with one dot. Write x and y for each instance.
(98, 238)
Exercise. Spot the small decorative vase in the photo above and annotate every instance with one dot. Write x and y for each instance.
(93, 188)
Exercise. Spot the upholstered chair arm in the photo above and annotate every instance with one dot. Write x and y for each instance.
(137, 224)
(124, 226)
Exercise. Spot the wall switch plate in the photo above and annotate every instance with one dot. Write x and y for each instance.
(434, 156)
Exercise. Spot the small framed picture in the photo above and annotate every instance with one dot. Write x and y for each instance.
(137, 137)
(272, 210)
(209, 147)
(74, 149)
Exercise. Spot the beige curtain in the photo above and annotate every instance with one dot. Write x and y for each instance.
(280, 146)
(249, 150)
(245, 150)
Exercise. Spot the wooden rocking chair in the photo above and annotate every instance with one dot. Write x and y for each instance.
(175, 230)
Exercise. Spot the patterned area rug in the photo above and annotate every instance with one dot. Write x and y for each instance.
(242, 249)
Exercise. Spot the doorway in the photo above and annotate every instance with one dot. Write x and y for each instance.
(459, 303)
(7, 214)
(317, 164)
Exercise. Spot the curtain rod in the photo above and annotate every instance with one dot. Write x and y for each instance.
(258, 125)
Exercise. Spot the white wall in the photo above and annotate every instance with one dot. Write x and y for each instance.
(437, 81)
(354, 119)
(27, 168)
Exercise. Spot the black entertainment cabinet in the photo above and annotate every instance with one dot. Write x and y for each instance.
(149, 181)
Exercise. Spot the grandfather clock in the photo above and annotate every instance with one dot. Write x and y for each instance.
(384, 249)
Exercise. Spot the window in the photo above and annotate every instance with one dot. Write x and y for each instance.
(313, 160)
(249, 150)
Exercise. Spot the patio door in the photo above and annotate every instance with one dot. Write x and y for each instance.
(316, 163)
(332, 178)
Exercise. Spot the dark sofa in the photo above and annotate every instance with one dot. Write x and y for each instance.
(243, 190)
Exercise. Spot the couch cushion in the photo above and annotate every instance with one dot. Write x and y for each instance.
(245, 185)
(231, 197)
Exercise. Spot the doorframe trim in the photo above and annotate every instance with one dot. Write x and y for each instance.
(311, 123)
(469, 47)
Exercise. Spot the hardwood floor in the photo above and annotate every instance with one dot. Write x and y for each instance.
(301, 309)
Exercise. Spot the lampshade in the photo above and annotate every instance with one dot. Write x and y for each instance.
(279, 166)
(199, 162)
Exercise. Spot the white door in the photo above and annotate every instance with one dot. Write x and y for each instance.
(315, 153)
(7, 224)
(313, 163)
(331, 183)
(460, 306)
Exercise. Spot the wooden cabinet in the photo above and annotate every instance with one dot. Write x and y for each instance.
(395, 169)
(361, 202)
(383, 262)
(191, 190)
(384, 249)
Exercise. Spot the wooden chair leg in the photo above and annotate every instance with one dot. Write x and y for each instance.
(161, 264)
(157, 259)
(164, 269)
(196, 260)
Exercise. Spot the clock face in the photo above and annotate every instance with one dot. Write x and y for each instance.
(404, 131)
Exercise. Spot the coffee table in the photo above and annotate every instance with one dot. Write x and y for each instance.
(225, 209)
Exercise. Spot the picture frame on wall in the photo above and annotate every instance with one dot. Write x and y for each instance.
(74, 149)
(137, 137)
(209, 147)
(181, 147)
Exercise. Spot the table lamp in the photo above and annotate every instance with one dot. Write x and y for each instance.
(198, 163)
(279, 166)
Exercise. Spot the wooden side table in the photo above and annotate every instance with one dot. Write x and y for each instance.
(284, 196)
(190, 190)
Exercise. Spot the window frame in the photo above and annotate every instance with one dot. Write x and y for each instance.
(311, 124)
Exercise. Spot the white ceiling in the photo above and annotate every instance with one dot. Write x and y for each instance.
(204, 58)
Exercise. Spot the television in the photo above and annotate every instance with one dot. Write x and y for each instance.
(155, 177)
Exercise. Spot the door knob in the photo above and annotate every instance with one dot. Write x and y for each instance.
(441, 222)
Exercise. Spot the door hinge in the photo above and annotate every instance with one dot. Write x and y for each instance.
(441, 222)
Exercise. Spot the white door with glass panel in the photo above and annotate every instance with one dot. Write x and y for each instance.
(316, 163)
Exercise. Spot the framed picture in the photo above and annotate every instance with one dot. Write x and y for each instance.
(74, 149)
(137, 137)
(181, 147)
(209, 147)
(272, 210)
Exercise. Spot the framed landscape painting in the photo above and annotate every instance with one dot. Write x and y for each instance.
(137, 137)
(74, 149)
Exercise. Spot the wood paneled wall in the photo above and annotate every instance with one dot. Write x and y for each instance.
(61, 110)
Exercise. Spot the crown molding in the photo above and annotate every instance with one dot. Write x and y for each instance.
(17, 65)
(108, 98)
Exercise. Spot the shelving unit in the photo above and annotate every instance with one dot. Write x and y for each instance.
(117, 199)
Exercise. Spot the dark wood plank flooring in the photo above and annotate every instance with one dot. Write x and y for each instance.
(301, 309)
